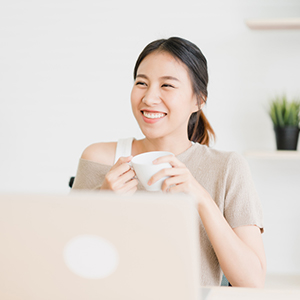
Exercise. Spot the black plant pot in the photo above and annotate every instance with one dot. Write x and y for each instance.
(287, 137)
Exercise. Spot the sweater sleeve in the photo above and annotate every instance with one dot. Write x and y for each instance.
(242, 204)
(90, 175)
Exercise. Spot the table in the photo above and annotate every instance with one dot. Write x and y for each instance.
(235, 293)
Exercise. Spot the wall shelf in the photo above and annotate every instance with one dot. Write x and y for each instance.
(279, 154)
(272, 24)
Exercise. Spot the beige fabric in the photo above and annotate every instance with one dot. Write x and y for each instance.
(225, 175)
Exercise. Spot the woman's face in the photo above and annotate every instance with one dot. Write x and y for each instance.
(162, 97)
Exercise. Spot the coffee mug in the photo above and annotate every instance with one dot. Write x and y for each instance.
(145, 169)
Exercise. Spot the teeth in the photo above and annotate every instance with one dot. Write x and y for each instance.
(153, 115)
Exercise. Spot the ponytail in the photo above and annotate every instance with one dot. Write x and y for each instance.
(199, 129)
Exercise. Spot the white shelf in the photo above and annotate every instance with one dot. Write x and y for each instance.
(279, 154)
(271, 24)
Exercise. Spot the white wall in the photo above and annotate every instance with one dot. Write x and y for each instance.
(66, 75)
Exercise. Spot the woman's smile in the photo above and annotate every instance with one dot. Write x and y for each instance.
(152, 116)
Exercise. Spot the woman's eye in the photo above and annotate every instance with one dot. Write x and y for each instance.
(140, 83)
(167, 85)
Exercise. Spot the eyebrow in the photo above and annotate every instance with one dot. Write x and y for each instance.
(162, 77)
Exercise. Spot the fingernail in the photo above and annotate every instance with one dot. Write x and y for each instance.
(149, 182)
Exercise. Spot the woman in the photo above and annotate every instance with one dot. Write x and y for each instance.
(167, 98)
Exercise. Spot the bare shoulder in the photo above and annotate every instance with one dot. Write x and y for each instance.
(102, 153)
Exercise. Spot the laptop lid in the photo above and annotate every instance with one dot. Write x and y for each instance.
(99, 246)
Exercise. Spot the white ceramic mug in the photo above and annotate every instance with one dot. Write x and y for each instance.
(145, 169)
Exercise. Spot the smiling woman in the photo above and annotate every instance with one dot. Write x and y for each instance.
(169, 92)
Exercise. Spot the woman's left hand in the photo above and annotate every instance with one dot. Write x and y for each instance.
(180, 179)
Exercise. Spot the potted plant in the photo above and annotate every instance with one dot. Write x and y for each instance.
(286, 118)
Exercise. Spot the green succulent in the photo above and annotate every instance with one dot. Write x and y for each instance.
(284, 113)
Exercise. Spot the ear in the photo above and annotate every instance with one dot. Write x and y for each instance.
(202, 104)
(198, 107)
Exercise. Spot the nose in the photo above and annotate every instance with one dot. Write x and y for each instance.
(151, 98)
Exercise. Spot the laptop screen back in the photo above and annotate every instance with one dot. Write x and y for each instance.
(99, 246)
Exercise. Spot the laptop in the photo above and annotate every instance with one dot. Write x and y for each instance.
(99, 245)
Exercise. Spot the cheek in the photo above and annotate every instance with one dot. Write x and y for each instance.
(135, 95)
(134, 99)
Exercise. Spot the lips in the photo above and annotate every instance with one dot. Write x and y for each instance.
(152, 116)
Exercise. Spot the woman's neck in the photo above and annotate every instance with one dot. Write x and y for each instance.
(146, 145)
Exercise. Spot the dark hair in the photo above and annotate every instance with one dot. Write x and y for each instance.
(199, 129)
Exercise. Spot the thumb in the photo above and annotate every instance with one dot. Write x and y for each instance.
(122, 160)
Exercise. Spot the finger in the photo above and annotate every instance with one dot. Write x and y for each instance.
(122, 179)
(132, 184)
(128, 176)
(171, 159)
(173, 181)
(177, 189)
(166, 172)
(128, 186)
(120, 169)
(122, 160)
(114, 178)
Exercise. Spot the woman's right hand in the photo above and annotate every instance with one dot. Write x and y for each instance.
(121, 178)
